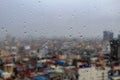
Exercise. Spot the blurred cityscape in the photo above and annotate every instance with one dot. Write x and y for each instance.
(60, 58)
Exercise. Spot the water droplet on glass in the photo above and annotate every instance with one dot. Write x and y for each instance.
(60, 16)
(70, 28)
(39, 1)
(2, 28)
(6, 31)
(73, 15)
(70, 36)
(36, 31)
(24, 22)
(24, 26)
(84, 26)
(25, 32)
(81, 36)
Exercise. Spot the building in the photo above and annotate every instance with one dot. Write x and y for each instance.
(107, 35)
(4, 52)
(115, 49)
(92, 73)
(119, 36)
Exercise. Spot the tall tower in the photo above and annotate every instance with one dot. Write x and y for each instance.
(107, 35)
(115, 49)
(119, 36)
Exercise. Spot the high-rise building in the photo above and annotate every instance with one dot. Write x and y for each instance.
(107, 35)
(119, 36)
(115, 49)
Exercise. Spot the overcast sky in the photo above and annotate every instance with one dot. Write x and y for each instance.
(59, 17)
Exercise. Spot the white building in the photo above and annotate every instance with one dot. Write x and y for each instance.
(93, 74)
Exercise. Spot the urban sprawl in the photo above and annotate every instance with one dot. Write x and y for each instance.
(60, 59)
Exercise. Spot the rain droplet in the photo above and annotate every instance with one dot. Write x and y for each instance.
(25, 22)
(84, 26)
(81, 36)
(39, 1)
(71, 28)
(73, 15)
(25, 27)
(6, 31)
(70, 35)
(2, 27)
(25, 32)
(36, 31)
(60, 16)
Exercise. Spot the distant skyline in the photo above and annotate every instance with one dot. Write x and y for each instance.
(56, 18)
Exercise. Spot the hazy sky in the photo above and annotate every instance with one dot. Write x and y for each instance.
(59, 17)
